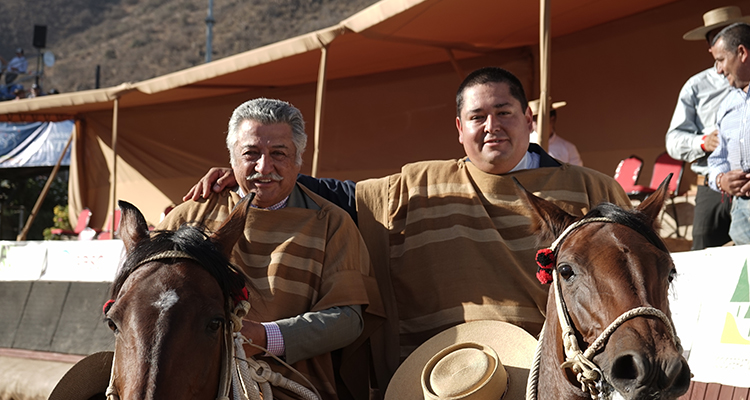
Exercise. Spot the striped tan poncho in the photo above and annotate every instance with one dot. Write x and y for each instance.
(299, 259)
(451, 243)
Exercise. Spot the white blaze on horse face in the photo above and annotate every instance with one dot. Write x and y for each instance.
(166, 301)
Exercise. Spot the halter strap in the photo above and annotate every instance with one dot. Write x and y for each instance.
(574, 226)
(168, 254)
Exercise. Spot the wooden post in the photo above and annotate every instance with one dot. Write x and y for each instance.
(319, 106)
(113, 188)
(543, 125)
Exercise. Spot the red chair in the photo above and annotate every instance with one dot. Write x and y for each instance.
(83, 222)
(106, 234)
(628, 172)
(663, 166)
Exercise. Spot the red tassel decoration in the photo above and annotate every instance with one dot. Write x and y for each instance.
(545, 259)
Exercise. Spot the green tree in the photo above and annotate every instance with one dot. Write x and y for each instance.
(18, 194)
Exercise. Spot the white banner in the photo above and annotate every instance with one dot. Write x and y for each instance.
(68, 260)
(710, 303)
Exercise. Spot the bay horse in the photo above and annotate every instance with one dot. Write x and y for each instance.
(608, 331)
(171, 310)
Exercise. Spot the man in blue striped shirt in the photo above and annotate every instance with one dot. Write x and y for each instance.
(729, 164)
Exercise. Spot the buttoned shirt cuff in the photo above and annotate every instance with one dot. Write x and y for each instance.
(274, 340)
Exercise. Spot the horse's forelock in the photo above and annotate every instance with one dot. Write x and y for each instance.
(194, 242)
(635, 220)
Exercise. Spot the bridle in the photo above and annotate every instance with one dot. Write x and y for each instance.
(588, 374)
(246, 377)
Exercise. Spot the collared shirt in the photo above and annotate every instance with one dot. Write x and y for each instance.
(733, 152)
(529, 161)
(276, 206)
(695, 116)
(18, 64)
(560, 149)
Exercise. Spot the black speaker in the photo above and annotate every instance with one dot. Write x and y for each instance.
(40, 36)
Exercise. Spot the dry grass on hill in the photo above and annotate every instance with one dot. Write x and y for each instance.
(134, 40)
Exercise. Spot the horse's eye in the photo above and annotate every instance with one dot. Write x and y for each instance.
(216, 324)
(112, 325)
(672, 274)
(565, 271)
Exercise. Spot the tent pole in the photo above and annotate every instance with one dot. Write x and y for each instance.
(113, 179)
(454, 63)
(543, 124)
(22, 236)
(319, 105)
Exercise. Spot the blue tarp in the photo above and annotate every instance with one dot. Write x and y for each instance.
(36, 144)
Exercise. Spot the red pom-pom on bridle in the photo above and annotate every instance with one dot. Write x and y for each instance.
(545, 259)
(241, 295)
(107, 305)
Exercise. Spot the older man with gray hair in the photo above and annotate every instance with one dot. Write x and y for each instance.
(303, 255)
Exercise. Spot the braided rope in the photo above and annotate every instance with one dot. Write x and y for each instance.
(532, 383)
(261, 373)
(169, 254)
(636, 312)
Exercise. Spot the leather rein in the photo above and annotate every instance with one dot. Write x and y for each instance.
(588, 374)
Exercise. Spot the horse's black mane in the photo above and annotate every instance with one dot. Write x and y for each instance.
(635, 220)
(192, 241)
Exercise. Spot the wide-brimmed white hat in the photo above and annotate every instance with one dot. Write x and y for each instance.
(478, 360)
(534, 104)
(86, 378)
(716, 18)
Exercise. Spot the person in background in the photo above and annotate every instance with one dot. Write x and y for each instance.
(17, 65)
(729, 164)
(693, 132)
(559, 148)
(35, 91)
(19, 93)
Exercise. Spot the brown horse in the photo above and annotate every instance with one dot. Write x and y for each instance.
(608, 333)
(170, 310)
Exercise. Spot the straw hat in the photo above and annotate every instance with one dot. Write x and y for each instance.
(716, 18)
(85, 379)
(478, 360)
(534, 104)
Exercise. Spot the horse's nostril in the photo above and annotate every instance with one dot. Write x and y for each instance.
(676, 375)
(625, 368)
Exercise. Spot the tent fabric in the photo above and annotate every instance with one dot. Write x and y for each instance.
(36, 144)
(392, 75)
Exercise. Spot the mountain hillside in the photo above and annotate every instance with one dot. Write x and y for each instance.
(134, 40)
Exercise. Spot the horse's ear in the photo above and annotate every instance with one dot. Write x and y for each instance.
(233, 227)
(547, 219)
(651, 207)
(133, 227)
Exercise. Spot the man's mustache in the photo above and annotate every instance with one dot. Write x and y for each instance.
(259, 176)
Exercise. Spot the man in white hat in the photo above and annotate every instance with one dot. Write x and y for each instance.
(692, 134)
(729, 164)
(559, 148)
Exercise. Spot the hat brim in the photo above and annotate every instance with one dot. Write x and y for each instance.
(534, 105)
(514, 346)
(86, 378)
(700, 32)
